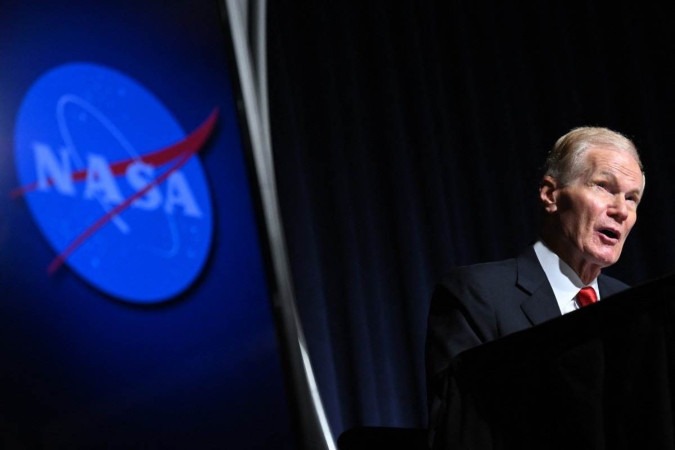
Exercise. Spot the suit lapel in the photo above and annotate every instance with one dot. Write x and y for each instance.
(605, 290)
(608, 288)
(540, 304)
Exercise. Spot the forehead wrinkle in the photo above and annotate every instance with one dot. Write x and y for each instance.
(612, 167)
(615, 180)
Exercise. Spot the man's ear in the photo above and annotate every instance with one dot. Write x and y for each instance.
(548, 193)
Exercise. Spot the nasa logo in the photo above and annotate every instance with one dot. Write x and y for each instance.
(114, 183)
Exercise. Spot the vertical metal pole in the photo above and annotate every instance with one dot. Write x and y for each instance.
(251, 64)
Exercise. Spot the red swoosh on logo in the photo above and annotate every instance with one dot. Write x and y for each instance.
(180, 152)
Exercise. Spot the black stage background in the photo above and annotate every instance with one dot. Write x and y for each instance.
(408, 137)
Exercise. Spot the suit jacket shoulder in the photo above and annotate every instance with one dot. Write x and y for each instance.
(495, 298)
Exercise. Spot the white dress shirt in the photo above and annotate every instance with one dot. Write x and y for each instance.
(564, 281)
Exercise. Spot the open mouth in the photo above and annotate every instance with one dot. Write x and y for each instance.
(610, 233)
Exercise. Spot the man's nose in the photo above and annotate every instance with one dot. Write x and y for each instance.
(619, 209)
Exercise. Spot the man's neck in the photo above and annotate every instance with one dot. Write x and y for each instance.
(586, 271)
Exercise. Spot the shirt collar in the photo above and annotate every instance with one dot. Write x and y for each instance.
(563, 280)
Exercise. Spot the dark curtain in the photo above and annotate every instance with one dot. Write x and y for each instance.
(408, 137)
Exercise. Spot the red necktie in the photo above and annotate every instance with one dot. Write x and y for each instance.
(586, 296)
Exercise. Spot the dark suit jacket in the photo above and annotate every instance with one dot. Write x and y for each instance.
(480, 303)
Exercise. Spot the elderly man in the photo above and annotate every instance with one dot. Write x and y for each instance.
(589, 196)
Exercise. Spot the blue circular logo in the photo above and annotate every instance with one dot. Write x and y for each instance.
(114, 183)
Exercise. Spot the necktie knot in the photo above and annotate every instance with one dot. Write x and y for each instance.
(586, 296)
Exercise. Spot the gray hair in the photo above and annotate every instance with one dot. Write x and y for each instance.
(564, 161)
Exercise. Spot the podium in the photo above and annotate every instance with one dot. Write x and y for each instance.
(602, 377)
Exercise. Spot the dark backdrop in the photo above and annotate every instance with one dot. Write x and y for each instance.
(408, 137)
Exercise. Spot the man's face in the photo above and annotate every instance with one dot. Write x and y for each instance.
(596, 211)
